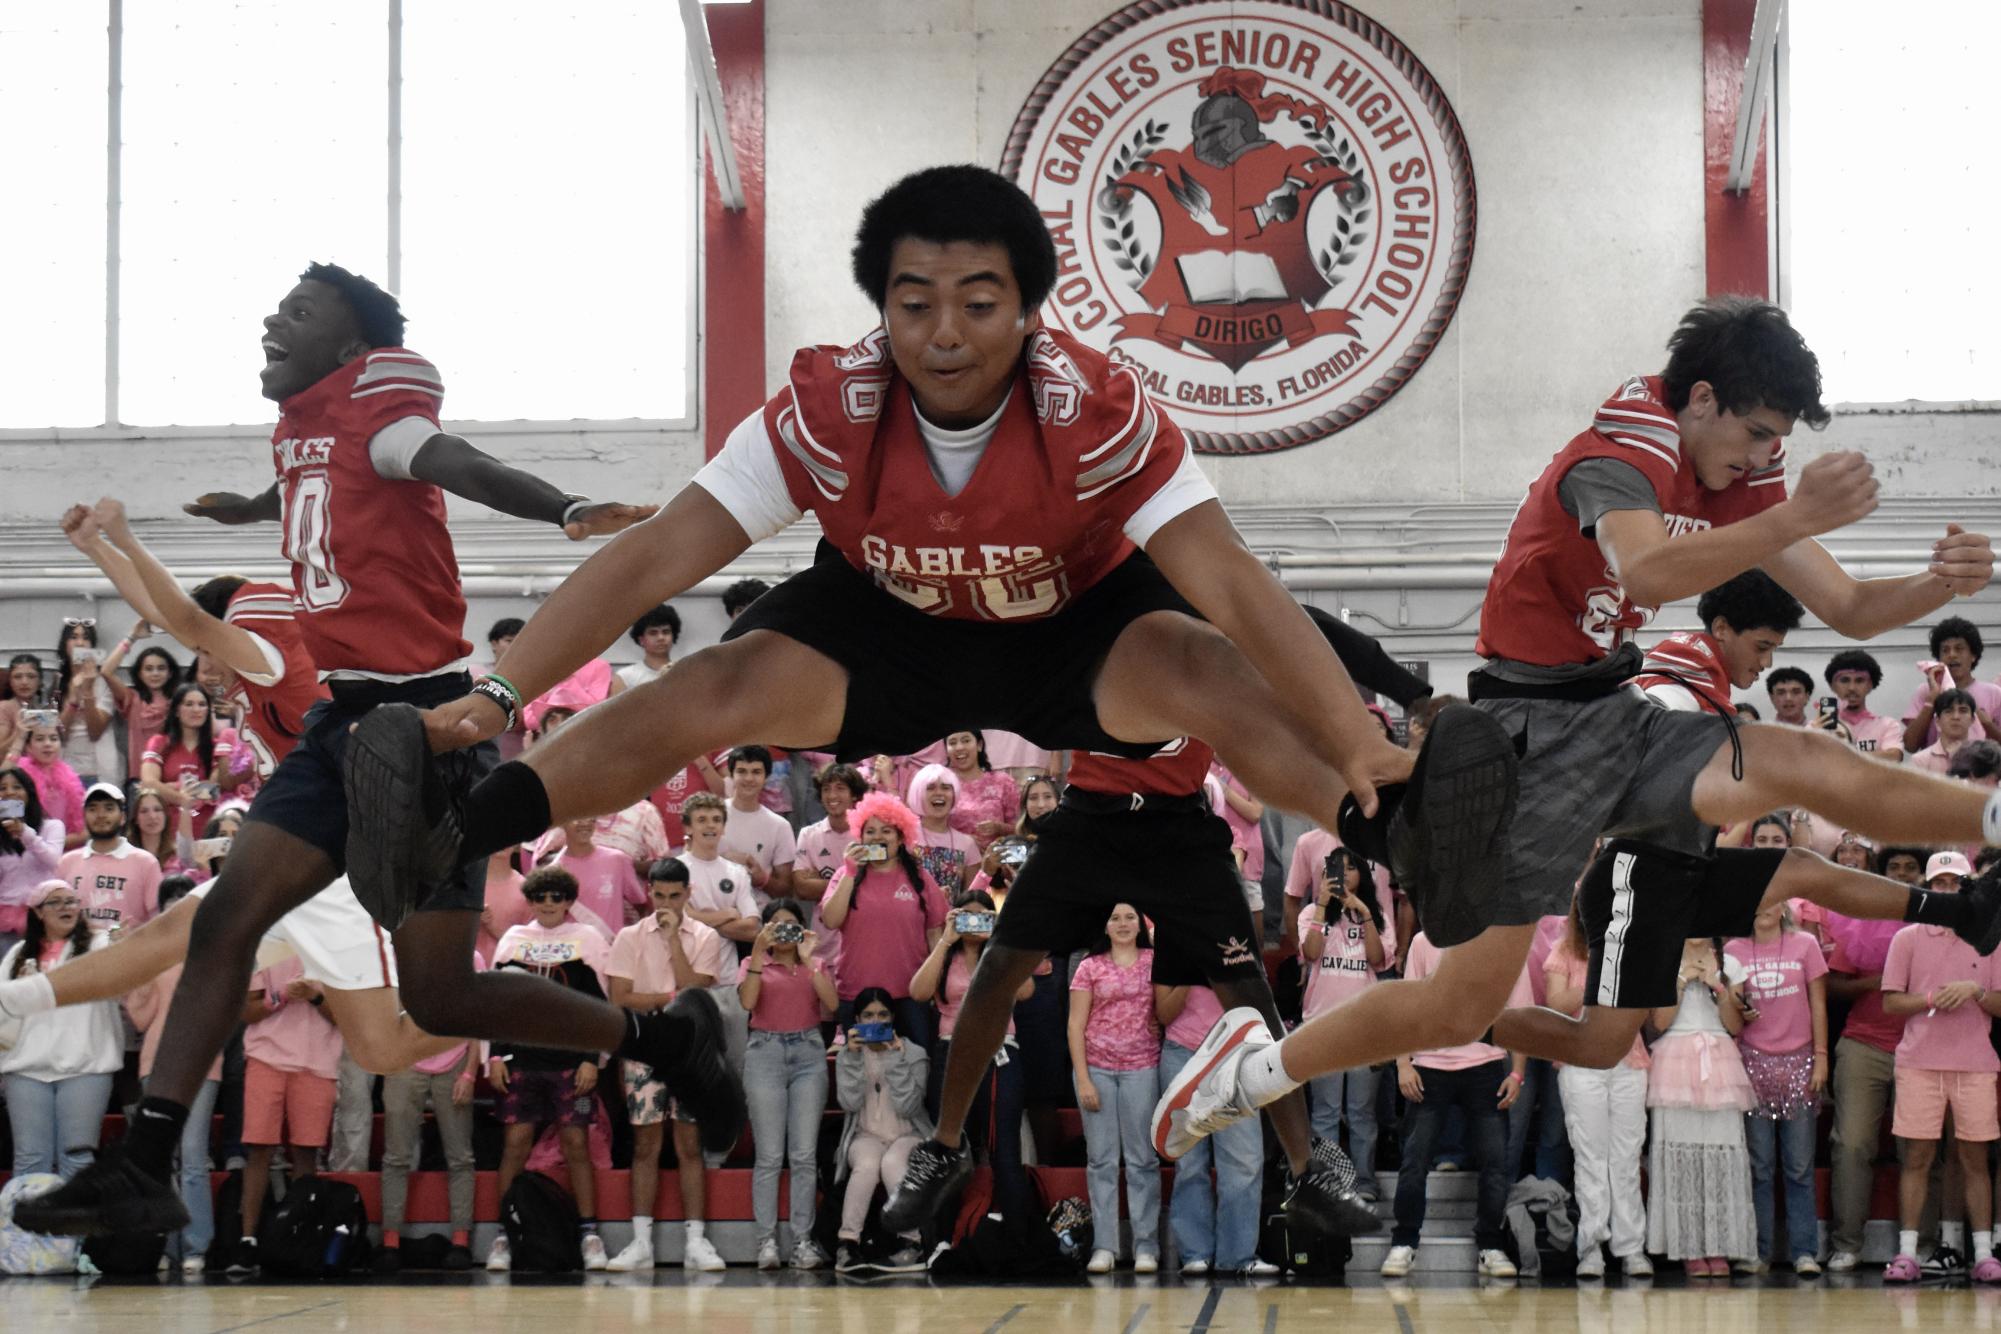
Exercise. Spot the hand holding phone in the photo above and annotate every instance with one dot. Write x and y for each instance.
(970, 923)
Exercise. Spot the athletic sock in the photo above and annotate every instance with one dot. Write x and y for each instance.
(23, 996)
(1934, 909)
(1990, 821)
(1983, 1245)
(155, 1134)
(507, 807)
(696, 1229)
(1907, 1243)
(391, 1239)
(1262, 1078)
(587, 1227)
(642, 1228)
(461, 1237)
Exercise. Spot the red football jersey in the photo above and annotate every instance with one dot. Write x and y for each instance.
(1175, 770)
(274, 714)
(376, 581)
(1078, 449)
(1552, 600)
(1694, 657)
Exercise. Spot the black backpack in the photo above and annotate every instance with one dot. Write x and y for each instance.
(543, 1226)
(229, 1218)
(320, 1231)
(126, 1254)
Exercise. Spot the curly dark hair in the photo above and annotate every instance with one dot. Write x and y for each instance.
(1957, 627)
(1854, 660)
(741, 594)
(1750, 355)
(660, 615)
(956, 203)
(1751, 601)
(376, 312)
(1778, 676)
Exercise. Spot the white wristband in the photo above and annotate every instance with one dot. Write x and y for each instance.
(569, 511)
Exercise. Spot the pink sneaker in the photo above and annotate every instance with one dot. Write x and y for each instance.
(1903, 1269)
(1987, 1271)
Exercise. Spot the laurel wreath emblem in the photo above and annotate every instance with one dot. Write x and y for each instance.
(1350, 229)
(1115, 206)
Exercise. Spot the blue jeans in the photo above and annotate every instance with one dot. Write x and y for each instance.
(1793, 1141)
(1473, 1092)
(1122, 1128)
(1351, 1093)
(1539, 1109)
(1218, 1224)
(200, 1231)
(56, 1122)
(785, 1084)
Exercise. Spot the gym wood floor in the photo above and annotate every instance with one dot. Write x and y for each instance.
(747, 1303)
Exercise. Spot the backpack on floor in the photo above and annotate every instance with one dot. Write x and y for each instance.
(24, 1252)
(229, 1218)
(1305, 1254)
(542, 1226)
(320, 1231)
(126, 1254)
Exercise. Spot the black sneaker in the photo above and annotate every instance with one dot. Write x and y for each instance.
(935, 1175)
(684, 1045)
(1944, 1262)
(1447, 839)
(112, 1195)
(403, 828)
(1323, 1200)
(1981, 927)
(245, 1259)
(457, 1258)
(848, 1259)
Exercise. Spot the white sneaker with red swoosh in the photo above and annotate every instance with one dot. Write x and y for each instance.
(1203, 1098)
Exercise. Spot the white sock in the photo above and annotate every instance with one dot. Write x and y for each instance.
(642, 1228)
(1262, 1078)
(1990, 821)
(23, 996)
(696, 1228)
(1983, 1245)
(1953, 1235)
(1907, 1242)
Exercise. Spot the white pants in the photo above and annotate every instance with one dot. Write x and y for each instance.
(1605, 1112)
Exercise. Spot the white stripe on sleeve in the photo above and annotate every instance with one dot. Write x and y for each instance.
(745, 479)
(1187, 488)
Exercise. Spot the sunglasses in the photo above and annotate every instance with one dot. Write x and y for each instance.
(550, 896)
(72, 622)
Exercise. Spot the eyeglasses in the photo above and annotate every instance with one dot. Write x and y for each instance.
(53, 904)
(72, 622)
(549, 896)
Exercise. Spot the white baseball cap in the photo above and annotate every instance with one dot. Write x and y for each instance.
(111, 790)
(1947, 863)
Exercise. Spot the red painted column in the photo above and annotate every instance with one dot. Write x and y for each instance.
(1734, 225)
(732, 334)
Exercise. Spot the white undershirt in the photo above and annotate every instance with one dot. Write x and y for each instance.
(745, 478)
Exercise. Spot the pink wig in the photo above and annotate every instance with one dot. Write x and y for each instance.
(920, 786)
(886, 808)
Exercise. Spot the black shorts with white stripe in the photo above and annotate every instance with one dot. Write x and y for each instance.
(1640, 904)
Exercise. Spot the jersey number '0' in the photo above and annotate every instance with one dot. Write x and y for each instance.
(309, 543)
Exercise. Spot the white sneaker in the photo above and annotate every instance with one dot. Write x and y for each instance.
(1259, 1269)
(700, 1253)
(1146, 1262)
(194, 1264)
(1194, 1268)
(1591, 1264)
(1203, 1098)
(1637, 1265)
(1806, 1267)
(637, 1255)
(1842, 1262)
(1496, 1264)
(500, 1259)
(767, 1253)
(594, 1256)
(1101, 1262)
(806, 1255)
(1398, 1262)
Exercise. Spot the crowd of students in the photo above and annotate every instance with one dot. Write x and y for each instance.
(837, 914)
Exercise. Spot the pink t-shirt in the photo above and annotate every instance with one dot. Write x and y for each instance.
(298, 1036)
(1873, 732)
(1921, 960)
(1343, 970)
(1776, 983)
(148, 1004)
(1574, 972)
(446, 1061)
(1246, 834)
(1422, 962)
(991, 796)
(119, 888)
(1197, 1017)
(762, 833)
(786, 1002)
(1122, 1033)
(1005, 750)
(1986, 697)
(952, 994)
(821, 850)
(1302, 880)
(884, 938)
(142, 722)
(641, 955)
(1861, 947)
(950, 858)
(1549, 934)
(606, 883)
(1935, 758)
(546, 949)
(180, 765)
(637, 831)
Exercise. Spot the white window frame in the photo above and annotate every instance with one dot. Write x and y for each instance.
(644, 429)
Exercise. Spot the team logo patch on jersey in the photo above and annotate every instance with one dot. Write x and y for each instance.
(1265, 208)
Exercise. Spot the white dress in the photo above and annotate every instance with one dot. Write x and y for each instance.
(1698, 1170)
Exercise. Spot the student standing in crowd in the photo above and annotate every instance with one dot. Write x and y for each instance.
(1953, 723)
(889, 911)
(1699, 1206)
(1947, 996)
(989, 801)
(656, 634)
(291, 1065)
(879, 1080)
(1852, 675)
(607, 884)
(1605, 1112)
(1215, 1222)
(186, 762)
(1115, 1061)
(1784, 1048)
(152, 830)
(58, 1073)
(83, 703)
(118, 883)
(822, 847)
(787, 994)
(22, 695)
(1956, 650)
(61, 789)
(721, 895)
(31, 845)
(947, 854)
(445, 1084)
(1341, 944)
(666, 952)
(756, 836)
(143, 702)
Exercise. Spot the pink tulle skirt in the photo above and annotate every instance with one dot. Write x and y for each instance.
(1701, 1071)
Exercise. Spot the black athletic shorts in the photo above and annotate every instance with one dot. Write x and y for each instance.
(305, 797)
(914, 677)
(1641, 904)
(1171, 860)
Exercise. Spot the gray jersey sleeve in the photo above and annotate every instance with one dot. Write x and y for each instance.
(1595, 486)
